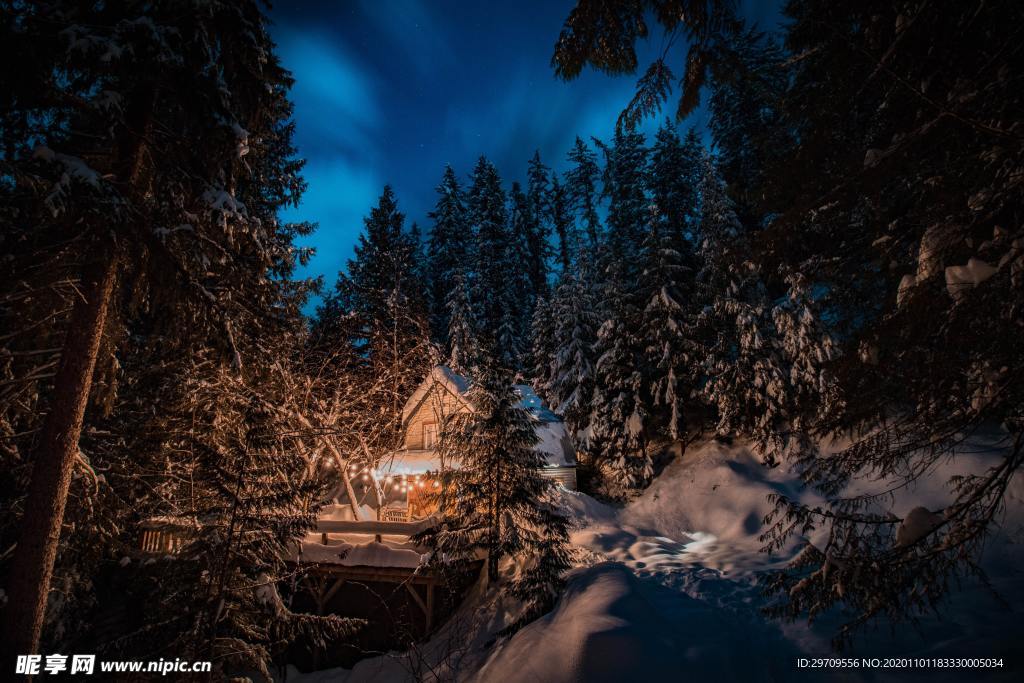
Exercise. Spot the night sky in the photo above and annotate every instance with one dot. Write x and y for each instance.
(389, 91)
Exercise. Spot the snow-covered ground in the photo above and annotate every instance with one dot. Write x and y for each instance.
(671, 587)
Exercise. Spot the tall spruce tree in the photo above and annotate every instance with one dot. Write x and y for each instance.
(581, 187)
(667, 330)
(564, 225)
(502, 505)
(122, 185)
(673, 176)
(382, 299)
(625, 188)
(576, 316)
(463, 349)
(495, 296)
(522, 285)
(619, 416)
(449, 251)
(538, 217)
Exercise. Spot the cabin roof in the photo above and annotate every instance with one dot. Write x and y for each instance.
(444, 377)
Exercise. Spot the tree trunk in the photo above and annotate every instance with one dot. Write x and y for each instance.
(53, 461)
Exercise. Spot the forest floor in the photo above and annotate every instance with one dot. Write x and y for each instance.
(671, 586)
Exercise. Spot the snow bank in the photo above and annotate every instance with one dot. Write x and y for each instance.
(610, 626)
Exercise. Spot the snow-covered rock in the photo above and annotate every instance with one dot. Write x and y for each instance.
(972, 274)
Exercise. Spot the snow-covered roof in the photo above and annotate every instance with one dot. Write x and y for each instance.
(442, 376)
(529, 400)
(359, 550)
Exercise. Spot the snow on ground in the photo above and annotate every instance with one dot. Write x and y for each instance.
(671, 587)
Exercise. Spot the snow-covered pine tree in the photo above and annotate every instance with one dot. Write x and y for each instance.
(674, 173)
(542, 347)
(125, 186)
(564, 225)
(745, 379)
(242, 493)
(667, 329)
(719, 229)
(449, 251)
(519, 279)
(576, 317)
(380, 301)
(619, 417)
(538, 222)
(581, 187)
(501, 504)
(625, 188)
(809, 349)
(494, 294)
(744, 375)
(463, 346)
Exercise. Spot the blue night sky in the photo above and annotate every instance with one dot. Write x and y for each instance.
(389, 91)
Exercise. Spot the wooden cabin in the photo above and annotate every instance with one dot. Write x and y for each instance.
(445, 393)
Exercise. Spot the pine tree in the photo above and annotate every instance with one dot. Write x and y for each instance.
(494, 295)
(619, 417)
(129, 187)
(581, 187)
(576, 315)
(674, 173)
(719, 231)
(745, 373)
(502, 505)
(449, 252)
(518, 278)
(625, 187)
(463, 345)
(380, 299)
(538, 221)
(670, 353)
(565, 226)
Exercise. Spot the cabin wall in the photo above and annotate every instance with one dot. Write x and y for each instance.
(438, 406)
(566, 476)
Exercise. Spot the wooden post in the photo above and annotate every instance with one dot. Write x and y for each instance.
(430, 605)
